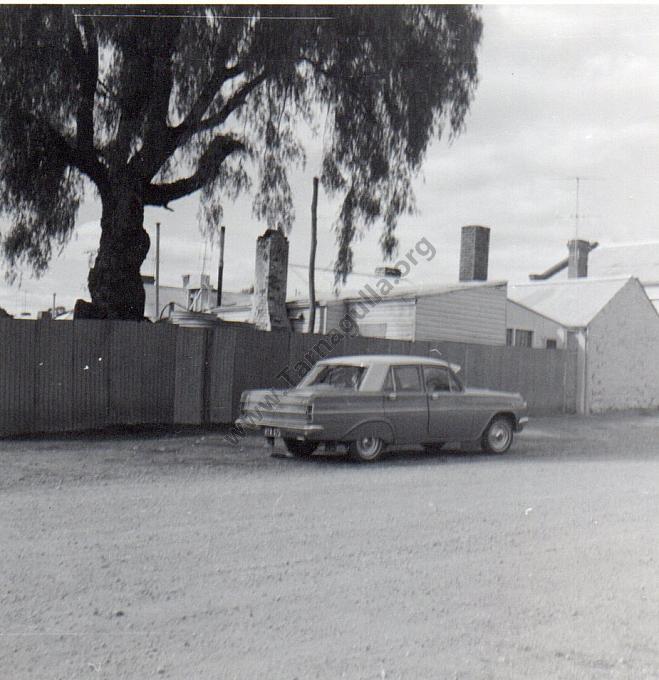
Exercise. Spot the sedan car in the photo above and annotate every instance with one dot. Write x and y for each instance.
(370, 402)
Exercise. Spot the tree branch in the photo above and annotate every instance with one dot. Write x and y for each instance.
(173, 138)
(84, 160)
(194, 123)
(236, 100)
(206, 98)
(207, 168)
(150, 158)
(86, 59)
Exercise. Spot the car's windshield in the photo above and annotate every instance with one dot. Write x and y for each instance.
(456, 383)
(336, 375)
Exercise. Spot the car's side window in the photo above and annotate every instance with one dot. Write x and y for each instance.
(436, 379)
(389, 382)
(407, 378)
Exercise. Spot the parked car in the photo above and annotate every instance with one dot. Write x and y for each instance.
(373, 401)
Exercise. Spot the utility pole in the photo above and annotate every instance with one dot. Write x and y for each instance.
(576, 214)
(220, 268)
(157, 270)
(54, 307)
(312, 258)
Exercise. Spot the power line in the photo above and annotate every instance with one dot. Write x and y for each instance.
(329, 269)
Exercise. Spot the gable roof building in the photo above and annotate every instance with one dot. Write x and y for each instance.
(462, 312)
(572, 303)
(610, 324)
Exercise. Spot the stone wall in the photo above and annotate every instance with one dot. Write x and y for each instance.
(623, 353)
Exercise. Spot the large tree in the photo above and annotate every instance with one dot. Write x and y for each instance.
(150, 104)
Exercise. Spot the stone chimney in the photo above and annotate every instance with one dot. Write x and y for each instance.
(577, 259)
(474, 253)
(270, 277)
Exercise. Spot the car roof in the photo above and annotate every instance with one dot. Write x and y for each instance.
(388, 359)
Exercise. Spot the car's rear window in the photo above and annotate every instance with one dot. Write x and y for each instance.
(336, 375)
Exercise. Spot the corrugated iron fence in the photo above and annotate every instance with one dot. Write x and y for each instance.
(59, 376)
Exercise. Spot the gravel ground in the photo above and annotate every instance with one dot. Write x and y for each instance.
(176, 556)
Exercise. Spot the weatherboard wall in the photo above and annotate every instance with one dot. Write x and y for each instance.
(391, 319)
(474, 315)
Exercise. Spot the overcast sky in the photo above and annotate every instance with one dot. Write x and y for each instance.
(564, 91)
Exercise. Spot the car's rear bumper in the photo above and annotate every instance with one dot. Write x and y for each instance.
(286, 427)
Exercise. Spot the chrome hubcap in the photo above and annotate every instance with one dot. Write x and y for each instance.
(499, 436)
(369, 446)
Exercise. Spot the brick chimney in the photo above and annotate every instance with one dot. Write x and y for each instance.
(474, 253)
(270, 277)
(577, 261)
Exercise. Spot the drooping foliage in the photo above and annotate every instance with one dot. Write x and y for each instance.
(165, 101)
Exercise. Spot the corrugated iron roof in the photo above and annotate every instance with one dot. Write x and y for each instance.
(640, 259)
(402, 289)
(573, 303)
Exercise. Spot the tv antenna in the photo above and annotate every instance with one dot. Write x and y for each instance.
(578, 216)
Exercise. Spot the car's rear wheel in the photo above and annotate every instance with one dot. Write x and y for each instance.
(498, 436)
(300, 449)
(366, 449)
(435, 447)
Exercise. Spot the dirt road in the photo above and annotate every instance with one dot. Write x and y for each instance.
(177, 557)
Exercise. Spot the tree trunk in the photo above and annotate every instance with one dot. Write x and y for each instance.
(114, 281)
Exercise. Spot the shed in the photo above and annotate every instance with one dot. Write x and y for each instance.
(465, 312)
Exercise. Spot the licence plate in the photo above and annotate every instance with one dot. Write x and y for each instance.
(272, 432)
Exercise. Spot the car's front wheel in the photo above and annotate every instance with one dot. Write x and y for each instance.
(498, 436)
(366, 449)
(300, 449)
